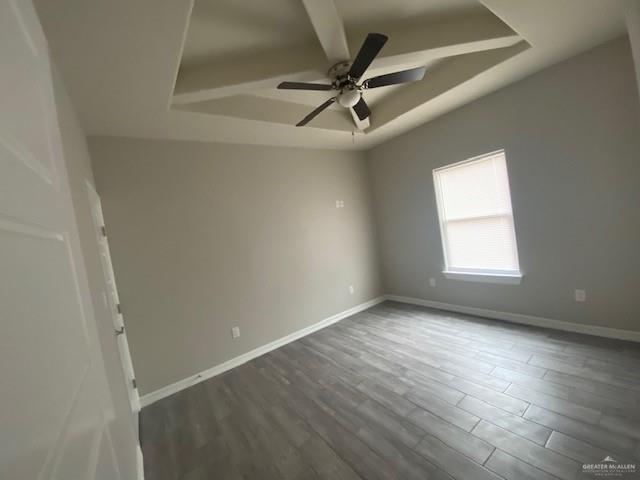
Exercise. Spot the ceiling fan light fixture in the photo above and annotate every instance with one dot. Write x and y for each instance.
(349, 96)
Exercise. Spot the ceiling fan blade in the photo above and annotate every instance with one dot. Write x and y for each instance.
(304, 86)
(361, 125)
(369, 50)
(395, 78)
(362, 109)
(313, 114)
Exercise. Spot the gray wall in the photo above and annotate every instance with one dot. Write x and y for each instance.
(205, 237)
(572, 139)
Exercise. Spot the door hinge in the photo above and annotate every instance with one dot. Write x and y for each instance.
(119, 308)
(133, 382)
(103, 229)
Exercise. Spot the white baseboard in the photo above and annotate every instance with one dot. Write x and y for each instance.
(163, 392)
(140, 462)
(524, 319)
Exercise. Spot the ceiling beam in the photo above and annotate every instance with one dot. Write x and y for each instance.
(328, 26)
(422, 42)
(252, 107)
(632, 18)
(415, 44)
(443, 79)
(248, 74)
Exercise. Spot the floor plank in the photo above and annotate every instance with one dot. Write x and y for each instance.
(529, 452)
(593, 434)
(514, 423)
(511, 468)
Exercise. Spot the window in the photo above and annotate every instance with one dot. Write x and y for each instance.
(476, 221)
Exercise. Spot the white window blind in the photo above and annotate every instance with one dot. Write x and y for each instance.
(476, 221)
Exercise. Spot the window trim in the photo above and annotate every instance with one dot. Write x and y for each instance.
(511, 278)
(505, 277)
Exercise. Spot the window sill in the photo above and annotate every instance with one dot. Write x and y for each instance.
(500, 278)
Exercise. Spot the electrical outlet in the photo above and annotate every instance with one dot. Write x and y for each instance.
(432, 282)
(352, 289)
(339, 203)
(580, 295)
(235, 332)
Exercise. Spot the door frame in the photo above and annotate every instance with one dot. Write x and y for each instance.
(112, 301)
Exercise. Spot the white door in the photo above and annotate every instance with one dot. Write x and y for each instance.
(112, 301)
(54, 399)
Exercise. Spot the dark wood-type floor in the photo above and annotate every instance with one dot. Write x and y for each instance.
(406, 392)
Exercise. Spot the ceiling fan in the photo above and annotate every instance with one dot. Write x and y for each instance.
(347, 75)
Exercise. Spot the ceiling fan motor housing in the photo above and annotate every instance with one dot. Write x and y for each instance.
(349, 96)
(339, 71)
(349, 93)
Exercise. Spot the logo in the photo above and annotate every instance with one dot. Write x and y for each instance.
(609, 467)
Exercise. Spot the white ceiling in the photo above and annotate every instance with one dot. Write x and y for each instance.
(224, 29)
(376, 13)
(155, 69)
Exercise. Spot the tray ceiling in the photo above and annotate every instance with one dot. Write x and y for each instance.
(208, 70)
